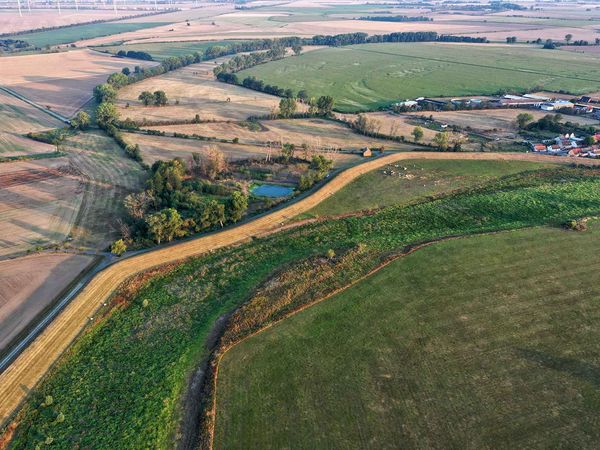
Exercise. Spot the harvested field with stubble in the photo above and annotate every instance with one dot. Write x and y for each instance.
(199, 93)
(39, 202)
(316, 133)
(62, 81)
(17, 119)
(163, 148)
(109, 176)
(11, 22)
(29, 284)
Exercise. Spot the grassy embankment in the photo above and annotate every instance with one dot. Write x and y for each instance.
(369, 76)
(479, 342)
(420, 179)
(120, 384)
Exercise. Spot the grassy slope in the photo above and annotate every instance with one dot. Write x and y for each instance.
(422, 178)
(372, 75)
(162, 50)
(118, 387)
(484, 342)
(76, 33)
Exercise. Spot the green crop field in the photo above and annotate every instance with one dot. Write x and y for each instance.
(75, 33)
(162, 50)
(121, 384)
(414, 179)
(475, 343)
(369, 76)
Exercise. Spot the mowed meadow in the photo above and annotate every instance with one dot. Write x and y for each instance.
(474, 343)
(164, 327)
(369, 76)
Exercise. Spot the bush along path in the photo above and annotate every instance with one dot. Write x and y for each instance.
(121, 384)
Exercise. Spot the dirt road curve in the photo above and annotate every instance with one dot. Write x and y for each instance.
(27, 370)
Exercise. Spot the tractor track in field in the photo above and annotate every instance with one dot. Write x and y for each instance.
(36, 358)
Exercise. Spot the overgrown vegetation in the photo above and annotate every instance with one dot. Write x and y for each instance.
(120, 385)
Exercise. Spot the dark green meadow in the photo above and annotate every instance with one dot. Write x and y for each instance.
(484, 342)
(120, 385)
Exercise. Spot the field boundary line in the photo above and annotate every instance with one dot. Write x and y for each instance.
(32, 364)
(35, 105)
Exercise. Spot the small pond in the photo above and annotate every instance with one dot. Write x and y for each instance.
(271, 190)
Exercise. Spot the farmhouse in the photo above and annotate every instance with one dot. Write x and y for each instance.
(568, 145)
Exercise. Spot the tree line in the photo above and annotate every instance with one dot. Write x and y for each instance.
(396, 18)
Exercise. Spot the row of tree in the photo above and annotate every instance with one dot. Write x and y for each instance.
(396, 18)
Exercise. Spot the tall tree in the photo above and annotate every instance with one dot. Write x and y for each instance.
(160, 98)
(287, 107)
(417, 133)
(107, 114)
(146, 97)
(165, 225)
(325, 105)
(442, 140)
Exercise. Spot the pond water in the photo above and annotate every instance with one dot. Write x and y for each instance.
(272, 190)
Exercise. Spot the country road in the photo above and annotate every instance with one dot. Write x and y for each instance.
(31, 365)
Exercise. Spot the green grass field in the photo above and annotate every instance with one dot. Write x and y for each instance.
(420, 179)
(483, 342)
(162, 50)
(76, 33)
(120, 385)
(369, 76)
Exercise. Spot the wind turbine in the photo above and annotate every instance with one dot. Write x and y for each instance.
(28, 6)
(59, 7)
(115, 6)
(76, 6)
(19, 3)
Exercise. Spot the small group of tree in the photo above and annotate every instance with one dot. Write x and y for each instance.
(134, 54)
(554, 124)
(445, 141)
(81, 121)
(318, 169)
(179, 201)
(511, 40)
(158, 98)
(367, 125)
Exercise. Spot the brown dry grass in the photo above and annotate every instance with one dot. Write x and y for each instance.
(35, 361)
(39, 201)
(198, 93)
(316, 133)
(62, 81)
(155, 148)
(29, 284)
(17, 119)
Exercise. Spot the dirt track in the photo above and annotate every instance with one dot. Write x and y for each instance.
(27, 370)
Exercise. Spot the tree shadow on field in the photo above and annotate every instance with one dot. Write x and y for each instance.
(576, 368)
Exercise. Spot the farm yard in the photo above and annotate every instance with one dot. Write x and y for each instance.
(62, 82)
(29, 284)
(426, 69)
(19, 118)
(495, 122)
(438, 348)
(197, 92)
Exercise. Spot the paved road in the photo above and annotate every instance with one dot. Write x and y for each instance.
(35, 360)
